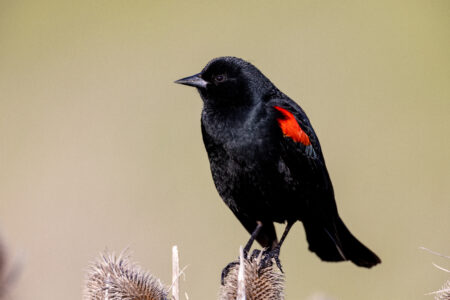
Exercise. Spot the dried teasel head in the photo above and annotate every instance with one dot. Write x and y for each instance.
(263, 279)
(116, 277)
(444, 292)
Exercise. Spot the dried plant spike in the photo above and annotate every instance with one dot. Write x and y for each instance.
(116, 277)
(175, 274)
(241, 276)
(434, 252)
(263, 279)
(444, 292)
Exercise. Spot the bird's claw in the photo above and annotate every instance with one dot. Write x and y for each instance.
(278, 262)
(274, 254)
(255, 254)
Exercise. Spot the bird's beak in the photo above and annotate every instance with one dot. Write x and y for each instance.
(194, 80)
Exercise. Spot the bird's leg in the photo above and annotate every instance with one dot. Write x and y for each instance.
(275, 253)
(249, 244)
(286, 231)
(252, 237)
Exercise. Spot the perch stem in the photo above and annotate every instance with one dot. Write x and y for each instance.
(175, 273)
(241, 281)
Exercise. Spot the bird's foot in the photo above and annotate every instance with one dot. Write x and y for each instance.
(256, 255)
(232, 264)
(274, 254)
(264, 258)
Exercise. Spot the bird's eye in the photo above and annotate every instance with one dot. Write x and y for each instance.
(219, 78)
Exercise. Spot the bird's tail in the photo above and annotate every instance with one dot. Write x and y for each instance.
(334, 242)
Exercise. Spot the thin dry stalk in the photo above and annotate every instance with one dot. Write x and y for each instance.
(444, 292)
(241, 279)
(175, 274)
(434, 252)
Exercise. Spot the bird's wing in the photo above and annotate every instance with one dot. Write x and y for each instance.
(301, 152)
(296, 127)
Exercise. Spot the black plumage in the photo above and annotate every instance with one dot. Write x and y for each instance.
(266, 160)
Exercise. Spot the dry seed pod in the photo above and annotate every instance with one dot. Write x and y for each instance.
(444, 292)
(116, 277)
(263, 280)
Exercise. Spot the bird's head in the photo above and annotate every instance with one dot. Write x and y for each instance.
(228, 81)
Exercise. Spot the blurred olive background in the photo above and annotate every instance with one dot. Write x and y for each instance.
(99, 149)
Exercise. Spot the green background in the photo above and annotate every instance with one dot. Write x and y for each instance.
(98, 147)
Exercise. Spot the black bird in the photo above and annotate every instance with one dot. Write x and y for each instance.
(267, 163)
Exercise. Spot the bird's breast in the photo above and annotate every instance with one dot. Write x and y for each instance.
(244, 135)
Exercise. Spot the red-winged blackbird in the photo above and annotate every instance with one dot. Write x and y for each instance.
(267, 163)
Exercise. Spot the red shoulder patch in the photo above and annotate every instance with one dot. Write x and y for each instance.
(291, 128)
